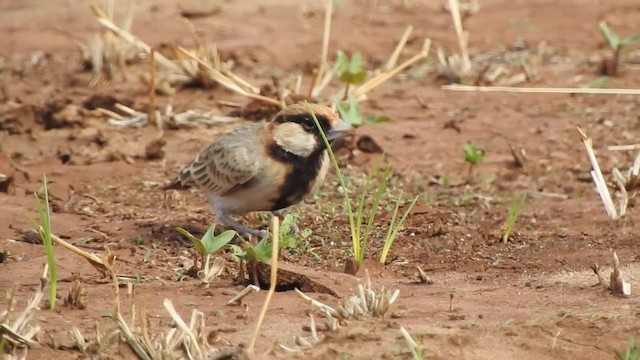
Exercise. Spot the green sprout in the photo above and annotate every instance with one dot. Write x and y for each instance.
(351, 113)
(349, 71)
(473, 155)
(44, 230)
(512, 215)
(617, 44)
(632, 353)
(209, 243)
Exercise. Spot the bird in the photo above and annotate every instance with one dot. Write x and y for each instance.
(266, 166)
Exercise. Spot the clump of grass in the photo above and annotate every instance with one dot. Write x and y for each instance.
(517, 205)
(365, 302)
(616, 44)
(632, 353)
(395, 225)
(44, 230)
(361, 232)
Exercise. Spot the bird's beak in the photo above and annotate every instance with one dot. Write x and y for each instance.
(339, 130)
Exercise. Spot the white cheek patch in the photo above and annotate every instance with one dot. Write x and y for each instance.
(292, 138)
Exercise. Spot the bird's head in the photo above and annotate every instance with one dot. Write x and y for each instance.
(295, 131)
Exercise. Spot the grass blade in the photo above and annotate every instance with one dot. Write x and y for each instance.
(45, 234)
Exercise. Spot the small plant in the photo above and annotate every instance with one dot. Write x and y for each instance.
(394, 226)
(209, 243)
(352, 114)
(617, 44)
(44, 230)
(290, 237)
(473, 155)
(349, 71)
(512, 215)
(632, 353)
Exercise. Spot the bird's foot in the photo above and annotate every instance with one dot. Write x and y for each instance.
(281, 214)
(242, 230)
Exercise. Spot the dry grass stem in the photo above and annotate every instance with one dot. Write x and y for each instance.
(275, 239)
(383, 77)
(456, 87)
(463, 36)
(624, 147)
(16, 330)
(103, 264)
(237, 300)
(223, 80)
(325, 45)
(598, 179)
(393, 59)
(423, 277)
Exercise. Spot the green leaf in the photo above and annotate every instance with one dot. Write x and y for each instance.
(262, 251)
(214, 243)
(599, 82)
(350, 70)
(196, 242)
(237, 253)
(612, 38)
(374, 119)
(631, 40)
(350, 113)
(472, 154)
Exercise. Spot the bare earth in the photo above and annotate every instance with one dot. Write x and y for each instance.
(533, 298)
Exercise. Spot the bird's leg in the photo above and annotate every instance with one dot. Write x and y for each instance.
(243, 230)
(280, 213)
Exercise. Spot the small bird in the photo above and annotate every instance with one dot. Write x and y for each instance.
(266, 166)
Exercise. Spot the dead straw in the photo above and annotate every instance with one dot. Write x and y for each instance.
(325, 42)
(393, 59)
(463, 36)
(275, 239)
(456, 87)
(382, 77)
(598, 179)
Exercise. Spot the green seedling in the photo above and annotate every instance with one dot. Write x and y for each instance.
(512, 215)
(44, 230)
(632, 353)
(394, 226)
(473, 155)
(349, 71)
(289, 237)
(617, 44)
(352, 114)
(209, 243)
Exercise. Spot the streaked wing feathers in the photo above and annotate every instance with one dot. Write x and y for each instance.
(223, 167)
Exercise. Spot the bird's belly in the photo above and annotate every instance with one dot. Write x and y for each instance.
(258, 197)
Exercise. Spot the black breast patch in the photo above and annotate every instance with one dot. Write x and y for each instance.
(300, 177)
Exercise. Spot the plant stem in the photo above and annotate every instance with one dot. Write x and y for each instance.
(354, 236)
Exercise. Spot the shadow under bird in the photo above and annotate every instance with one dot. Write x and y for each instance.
(267, 166)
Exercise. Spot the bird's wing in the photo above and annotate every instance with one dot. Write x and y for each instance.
(226, 165)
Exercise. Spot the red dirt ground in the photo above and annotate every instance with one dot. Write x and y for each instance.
(532, 298)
